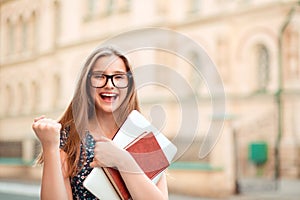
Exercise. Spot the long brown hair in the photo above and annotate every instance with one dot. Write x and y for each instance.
(82, 107)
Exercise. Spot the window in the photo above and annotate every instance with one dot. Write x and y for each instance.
(8, 100)
(57, 20)
(124, 5)
(24, 36)
(32, 32)
(197, 69)
(10, 36)
(92, 7)
(161, 7)
(117, 6)
(18, 34)
(10, 149)
(22, 98)
(56, 90)
(263, 65)
(104, 8)
(110, 6)
(194, 6)
(35, 92)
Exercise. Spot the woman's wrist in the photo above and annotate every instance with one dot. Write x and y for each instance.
(51, 149)
(128, 164)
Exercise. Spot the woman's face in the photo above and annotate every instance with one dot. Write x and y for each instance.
(108, 97)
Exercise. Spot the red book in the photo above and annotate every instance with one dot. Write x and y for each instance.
(149, 156)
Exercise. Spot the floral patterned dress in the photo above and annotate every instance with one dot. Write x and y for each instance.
(78, 190)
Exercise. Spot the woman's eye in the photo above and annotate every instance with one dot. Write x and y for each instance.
(120, 76)
(99, 76)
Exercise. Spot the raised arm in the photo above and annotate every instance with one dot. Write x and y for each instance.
(55, 184)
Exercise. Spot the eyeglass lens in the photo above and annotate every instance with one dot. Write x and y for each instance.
(118, 80)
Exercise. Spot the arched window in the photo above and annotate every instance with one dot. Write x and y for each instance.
(10, 37)
(35, 96)
(197, 71)
(117, 6)
(24, 36)
(110, 6)
(57, 20)
(263, 66)
(92, 6)
(194, 6)
(8, 100)
(18, 37)
(22, 98)
(32, 32)
(124, 5)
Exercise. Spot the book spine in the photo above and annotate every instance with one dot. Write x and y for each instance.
(117, 181)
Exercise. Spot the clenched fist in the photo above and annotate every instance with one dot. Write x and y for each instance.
(48, 132)
(108, 154)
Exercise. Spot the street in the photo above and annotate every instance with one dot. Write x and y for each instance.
(288, 190)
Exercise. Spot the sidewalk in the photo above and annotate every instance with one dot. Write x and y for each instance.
(252, 190)
(255, 189)
(282, 190)
(19, 190)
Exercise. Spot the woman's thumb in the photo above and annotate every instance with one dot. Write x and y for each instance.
(93, 164)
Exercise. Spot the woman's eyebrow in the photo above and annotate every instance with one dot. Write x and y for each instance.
(119, 72)
(98, 71)
(114, 72)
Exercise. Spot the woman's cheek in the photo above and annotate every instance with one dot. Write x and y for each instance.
(123, 95)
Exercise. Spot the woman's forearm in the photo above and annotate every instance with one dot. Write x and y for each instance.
(53, 186)
(140, 186)
(107, 154)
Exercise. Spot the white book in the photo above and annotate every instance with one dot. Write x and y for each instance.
(136, 124)
(98, 184)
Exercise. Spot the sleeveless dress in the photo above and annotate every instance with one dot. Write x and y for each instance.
(78, 190)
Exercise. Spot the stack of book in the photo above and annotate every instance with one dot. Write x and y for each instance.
(152, 151)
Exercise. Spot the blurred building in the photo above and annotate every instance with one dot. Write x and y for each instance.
(255, 45)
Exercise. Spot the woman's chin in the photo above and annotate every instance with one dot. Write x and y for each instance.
(108, 108)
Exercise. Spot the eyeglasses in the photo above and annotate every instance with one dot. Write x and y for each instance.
(99, 80)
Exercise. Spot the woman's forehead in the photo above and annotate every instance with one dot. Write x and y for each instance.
(109, 63)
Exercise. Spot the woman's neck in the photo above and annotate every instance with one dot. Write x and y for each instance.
(104, 124)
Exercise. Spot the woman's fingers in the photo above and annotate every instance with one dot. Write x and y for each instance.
(47, 130)
(102, 138)
(93, 164)
(96, 164)
(39, 118)
(46, 123)
(108, 154)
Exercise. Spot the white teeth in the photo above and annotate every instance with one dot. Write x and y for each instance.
(108, 94)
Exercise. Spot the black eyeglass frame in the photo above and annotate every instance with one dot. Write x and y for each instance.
(128, 74)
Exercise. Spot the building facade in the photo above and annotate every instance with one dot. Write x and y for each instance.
(255, 46)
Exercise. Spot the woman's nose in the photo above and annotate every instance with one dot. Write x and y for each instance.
(109, 83)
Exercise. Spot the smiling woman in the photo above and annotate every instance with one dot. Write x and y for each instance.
(104, 97)
(109, 83)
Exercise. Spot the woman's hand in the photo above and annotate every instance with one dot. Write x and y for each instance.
(48, 131)
(108, 154)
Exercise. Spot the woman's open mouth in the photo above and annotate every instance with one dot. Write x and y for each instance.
(108, 96)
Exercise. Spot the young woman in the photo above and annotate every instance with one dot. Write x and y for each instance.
(81, 139)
